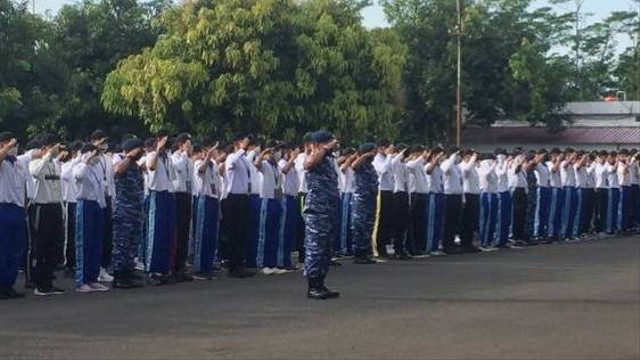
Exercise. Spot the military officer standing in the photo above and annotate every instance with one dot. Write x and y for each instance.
(320, 213)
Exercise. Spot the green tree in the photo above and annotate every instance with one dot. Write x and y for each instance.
(273, 67)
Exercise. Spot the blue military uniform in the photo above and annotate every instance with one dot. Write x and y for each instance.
(321, 217)
(363, 206)
(128, 219)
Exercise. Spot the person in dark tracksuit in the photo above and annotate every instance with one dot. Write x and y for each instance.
(128, 214)
(48, 230)
(69, 190)
(602, 189)
(470, 220)
(183, 187)
(452, 180)
(13, 223)
(518, 185)
(320, 213)
(91, 204)
(363, 204)
(419, 198)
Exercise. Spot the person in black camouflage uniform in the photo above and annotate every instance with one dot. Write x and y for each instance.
(320, 214)
(363, 203)
(128, 214)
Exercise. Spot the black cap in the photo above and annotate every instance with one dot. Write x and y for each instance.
(47, 139)
(382, 143)
(131, 144)
(182, 138)
(240, 136)
(7, 135)
(98, 135)
(555, 151)
(76, 145)
(367, 147)
(321, 136)
(87, 148)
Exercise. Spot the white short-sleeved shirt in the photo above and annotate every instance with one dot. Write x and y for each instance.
(271, 181)
(542, 175)
(208, 182)
(90, 183)
(290, 180)
(300, 170)
(382, 164)
(13, 181)
(567, 174)
(161, 179)
(601, 176)
(238, 174)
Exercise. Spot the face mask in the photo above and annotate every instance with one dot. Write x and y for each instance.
(13, 152)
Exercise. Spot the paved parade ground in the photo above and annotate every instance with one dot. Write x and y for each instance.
(554, 301)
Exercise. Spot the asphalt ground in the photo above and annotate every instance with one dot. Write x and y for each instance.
(578, 301)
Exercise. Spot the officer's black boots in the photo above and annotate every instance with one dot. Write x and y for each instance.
(126, 280)
(318, 291)
(363, 258)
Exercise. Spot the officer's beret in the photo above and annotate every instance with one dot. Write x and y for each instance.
(7, 135)
(367, 147)
(321, 136)
(131, 144)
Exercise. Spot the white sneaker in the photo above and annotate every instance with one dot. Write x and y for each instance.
(277, 271)
(85, 289)
(139, 265)
(437, 253)
(267, 271)
(98, 287)
(104, 276)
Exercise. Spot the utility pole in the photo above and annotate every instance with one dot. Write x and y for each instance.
(459, 74)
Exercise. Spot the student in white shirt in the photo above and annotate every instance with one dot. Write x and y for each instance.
(419, 197)
(342, 246)
(625, 215)
(634, 167)
(470, 220)
(452, 180)
(161, 220)
(206, 214)
(613, 196)
(436, 204)
(543, 195)
(400, 208)
(503, 218)
(291, 215)
(570, 202)
(237, 211)
(488, 184)
(270, 210)
(13, 225)
(557, 195)
(90, 220)
(69, 191)
(518, 185)
(105, 167)
(302, 192)
(255, 202)
(600, 174)
(48, 234)
(183, 189)
(582, 192)
(383, 226)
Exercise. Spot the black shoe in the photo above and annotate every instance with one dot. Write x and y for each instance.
(159, 280)
(329, 293)
(469, 249)
(364, 261)
(183, 276)
(241, 274)
(335, 263)
(402, 256)
(120, 283)
(316, 294)
(451, 250)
